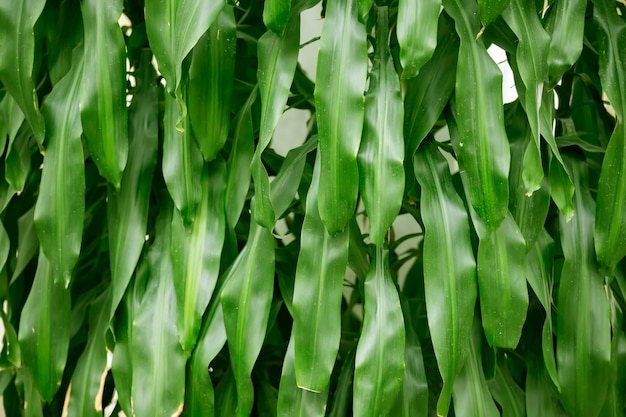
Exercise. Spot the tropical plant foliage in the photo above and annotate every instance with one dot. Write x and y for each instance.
(159, 257)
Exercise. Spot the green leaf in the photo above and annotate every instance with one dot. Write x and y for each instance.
(502, 284)
(317, 295)
(25, 381)
(484, 148)
(278, 57)
(382, 147)
(156, 354)
(17, 56)
(342, 397)
(103, 92)
(199, 396)
(60, 207)
(44, 332)
(610, 231)
(174, 27)
(428, 93)
(11, 118)
(506, 391)
(529, 211)
(449, 267)
(276, 15)
(491, 9)
(84, 397)
(615, 403)
(539, 265)
(379, 368)
(211, 76)
(583, 337)
(341, 77)
(539, 398)
(417, 33)
(246, 300)
(567, 34)
(127, 211)
(238, 165)
(531, 56)
(196, 254)
(182, 163)
(294, 401)
(471, 392)
(286, 182)
(18, 157)
(413, 397)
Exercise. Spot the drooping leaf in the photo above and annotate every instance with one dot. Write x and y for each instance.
(567, 34)
(211, 76)
(471, 392)
(238, 165)
(276, 15)
(294, 401)
(128, 209)
(84, 396)
(18, 156)
(44, 332)
(484, 148)
(341, 77)
(197, 252)
(174, 27)
(382, 147)
(199, 396)
(317, 295)
(531, 57)
(182, 163)
(449, 267)
(103, 91)
(502, 284)
(379, 368)
(610, 230)
(17, 22)
(417, 33)
(27, 383)
(583, 331)
(246, 300)
(278, 57)
(506, 391)
(60, 207)
(157, 356)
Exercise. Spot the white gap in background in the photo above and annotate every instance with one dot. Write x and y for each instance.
(509, 92)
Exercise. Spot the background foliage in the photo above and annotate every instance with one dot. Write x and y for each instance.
(158, 257)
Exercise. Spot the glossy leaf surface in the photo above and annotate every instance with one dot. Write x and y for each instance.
(341, 76)
(417, 33)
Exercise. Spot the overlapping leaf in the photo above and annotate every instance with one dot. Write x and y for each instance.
(341, 76)
(103, 91)
(417, 33)
(449, 267)
(317, 295)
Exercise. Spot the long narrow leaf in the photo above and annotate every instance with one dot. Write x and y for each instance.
(382, 148)
(103, 92)
(128, 208)
(182, 163)
(44, 332)
(610, 231)
(317, 295)
(276, 15)
(60, 206)
(484, 148)
(197, 254)
(566, 41)
(583, 342)
(278, 57)
(246, 301)
(17, 22)
(449, 267)
(379, 368)
(341, 77)
(211, 77)
(156, 354)
(531, 56)
(417, 33)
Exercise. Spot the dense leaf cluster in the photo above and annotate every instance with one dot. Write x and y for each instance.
(428, 249)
